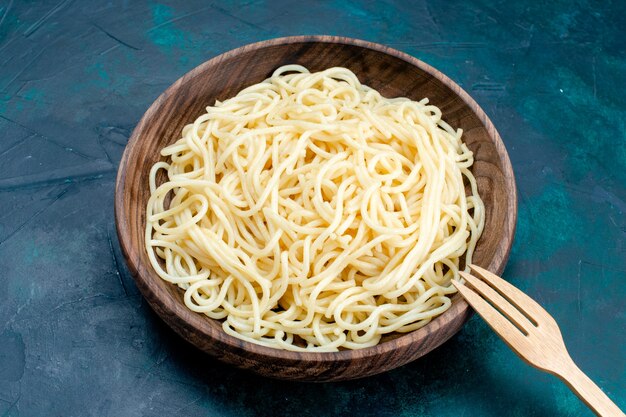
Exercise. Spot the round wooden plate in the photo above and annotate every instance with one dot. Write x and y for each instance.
(389, 71)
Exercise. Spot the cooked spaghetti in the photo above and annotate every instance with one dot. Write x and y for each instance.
(311, 213)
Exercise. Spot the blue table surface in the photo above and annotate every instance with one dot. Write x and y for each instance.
(76, 338)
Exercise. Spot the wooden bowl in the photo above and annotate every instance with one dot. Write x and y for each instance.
(391, 72)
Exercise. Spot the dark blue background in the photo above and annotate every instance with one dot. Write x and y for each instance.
(76, 339)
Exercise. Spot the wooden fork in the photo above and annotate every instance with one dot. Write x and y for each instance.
(532, 333)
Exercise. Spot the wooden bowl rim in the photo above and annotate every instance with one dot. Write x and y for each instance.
(197, 323)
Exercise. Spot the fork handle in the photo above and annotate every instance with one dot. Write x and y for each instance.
(588, 391)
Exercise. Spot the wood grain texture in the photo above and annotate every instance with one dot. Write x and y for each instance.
(391, 72)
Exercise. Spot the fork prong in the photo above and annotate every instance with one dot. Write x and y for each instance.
(524, 303)
(511, 335)
(505, 307)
